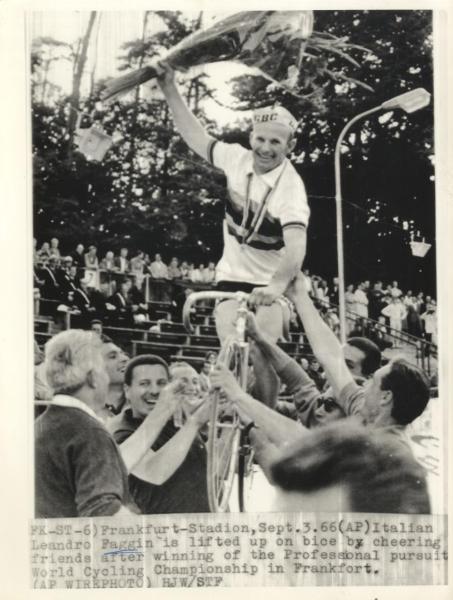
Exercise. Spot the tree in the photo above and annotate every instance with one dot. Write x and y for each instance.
(152, 192)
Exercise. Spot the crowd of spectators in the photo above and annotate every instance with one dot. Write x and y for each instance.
(118, 287)
(381, 313)
(124, 435)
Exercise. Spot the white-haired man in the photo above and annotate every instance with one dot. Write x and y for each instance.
(266, 215)
(79, 471)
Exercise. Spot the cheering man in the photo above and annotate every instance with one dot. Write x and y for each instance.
(266, 215)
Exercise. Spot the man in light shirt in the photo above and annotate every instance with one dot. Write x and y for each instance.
(266, 216)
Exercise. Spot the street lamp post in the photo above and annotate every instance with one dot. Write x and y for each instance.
(409, 102)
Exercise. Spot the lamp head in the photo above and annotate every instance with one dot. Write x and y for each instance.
(409, 101)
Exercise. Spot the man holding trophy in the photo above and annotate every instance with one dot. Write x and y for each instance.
(266, 212)
(266, 216)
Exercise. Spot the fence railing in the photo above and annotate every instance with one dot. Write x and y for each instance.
(423, 351)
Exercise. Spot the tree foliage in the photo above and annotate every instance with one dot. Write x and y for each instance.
(152, 193)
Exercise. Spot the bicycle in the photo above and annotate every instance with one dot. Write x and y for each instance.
(228, 450)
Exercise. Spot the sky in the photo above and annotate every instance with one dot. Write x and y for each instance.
(115, 29)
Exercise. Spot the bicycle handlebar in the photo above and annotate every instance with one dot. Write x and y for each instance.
(206, 295)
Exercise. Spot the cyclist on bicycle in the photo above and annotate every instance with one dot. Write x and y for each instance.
(266, 217)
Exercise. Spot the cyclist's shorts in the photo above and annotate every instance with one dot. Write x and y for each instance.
(236, 286)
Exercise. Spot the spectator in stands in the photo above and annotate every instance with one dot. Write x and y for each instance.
(50, 288)
(78, 469)
(83, 303)
(96, 326)
(123, 304)
(335, 470)
(359, 328)
(397, 393)
(115, 361)
(209, 274)
(167, 465)
(333, 293)
(91, 259)
(420, 304)
(108, 262)
(361, 301)
(206, 370)
(395, 292)
(211, 357)
(185, 275)
(54, 250)
(376, 301)
(44, 253)
(174, 272)
(139, 304)
(320, 290)
(377, 333)
(197, 275)
(333, 321)
(395, 312)
(409, 299)
(137, 268)
(158, 268)
(78, 256)
(350, 298)
(414, 325)
(429, 320)
(315, 372)
(159, 289)
(122, 262)
(64, 280)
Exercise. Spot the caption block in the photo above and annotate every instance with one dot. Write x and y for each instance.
(239, 550)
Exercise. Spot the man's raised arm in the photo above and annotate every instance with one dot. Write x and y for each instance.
(186, 123)
(324, 343)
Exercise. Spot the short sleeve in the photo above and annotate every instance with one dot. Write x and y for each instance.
(226, 157)
(294, 210)
(99, 475)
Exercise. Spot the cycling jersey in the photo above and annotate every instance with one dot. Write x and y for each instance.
(258, 208)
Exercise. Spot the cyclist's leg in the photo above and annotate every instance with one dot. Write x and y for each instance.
(225, 316)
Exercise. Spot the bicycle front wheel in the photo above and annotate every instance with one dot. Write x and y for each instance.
(224, 436)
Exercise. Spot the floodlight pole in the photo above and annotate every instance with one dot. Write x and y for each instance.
(339, 213)
(409, 102)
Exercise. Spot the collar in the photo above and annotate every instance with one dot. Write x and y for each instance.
(71, 402)
(270, 177)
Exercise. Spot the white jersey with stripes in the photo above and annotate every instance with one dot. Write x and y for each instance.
(258, 208)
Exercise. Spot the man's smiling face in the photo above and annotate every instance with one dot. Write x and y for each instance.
(270, 144)
(146, 385)
(115, 361)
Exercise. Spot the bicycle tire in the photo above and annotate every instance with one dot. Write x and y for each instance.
(245, 472)
(224, 436)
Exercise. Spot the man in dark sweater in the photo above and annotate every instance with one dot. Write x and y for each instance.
(167, 464)
(79, 471)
